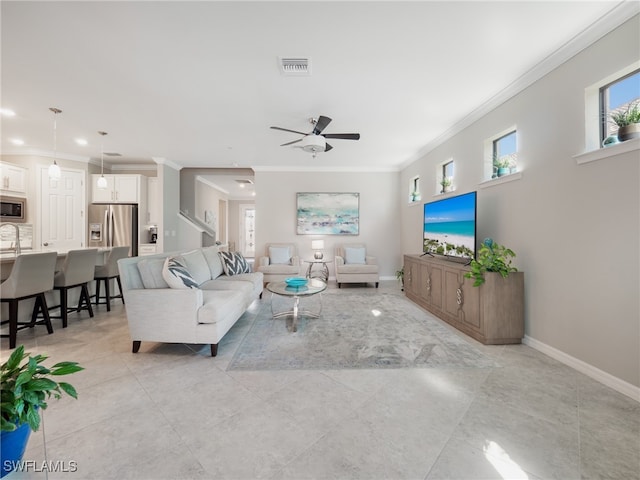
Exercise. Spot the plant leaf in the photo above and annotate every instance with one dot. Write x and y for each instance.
(68, 389)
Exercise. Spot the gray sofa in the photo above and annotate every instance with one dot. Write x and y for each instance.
(158, 313)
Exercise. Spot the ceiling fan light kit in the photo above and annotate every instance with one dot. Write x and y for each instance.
(315, 141)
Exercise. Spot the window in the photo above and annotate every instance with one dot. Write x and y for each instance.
(504, 155)
(445, 177)
(617, 97)
(414, 189)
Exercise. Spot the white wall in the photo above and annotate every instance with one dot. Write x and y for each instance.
(379, 206)
(574, 228)
(169, 183)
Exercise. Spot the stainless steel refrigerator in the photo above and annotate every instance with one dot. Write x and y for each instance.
(114, 225)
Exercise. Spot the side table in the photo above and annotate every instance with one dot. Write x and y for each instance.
(322, 273)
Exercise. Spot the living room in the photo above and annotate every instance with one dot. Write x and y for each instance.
(570, 211)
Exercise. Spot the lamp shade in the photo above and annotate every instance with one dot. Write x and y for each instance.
(317, 244)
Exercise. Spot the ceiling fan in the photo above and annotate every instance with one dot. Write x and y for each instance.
(315, 141)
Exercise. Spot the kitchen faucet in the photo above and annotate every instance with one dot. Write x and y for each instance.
(15, 225)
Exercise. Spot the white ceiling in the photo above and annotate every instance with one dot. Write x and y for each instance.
(198, 84)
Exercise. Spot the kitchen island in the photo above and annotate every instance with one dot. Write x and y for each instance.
(7, 260)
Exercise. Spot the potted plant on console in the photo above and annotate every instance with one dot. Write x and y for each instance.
(491, 257)
(628, 122)
(26, 387)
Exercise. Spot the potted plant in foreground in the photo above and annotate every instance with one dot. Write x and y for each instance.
(491, 258)
(26, 387)
(628, 122)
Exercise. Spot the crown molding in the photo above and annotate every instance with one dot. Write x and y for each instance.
(168, 163)
(619, 14)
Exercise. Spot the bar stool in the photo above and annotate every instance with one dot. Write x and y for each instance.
(108, 271)
(31, 276)
(77, 271)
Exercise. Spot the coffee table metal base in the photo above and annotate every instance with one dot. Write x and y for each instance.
(295, 313)
(314, 287)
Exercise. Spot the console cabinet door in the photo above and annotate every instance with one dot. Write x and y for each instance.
(462, 299)
(411, 277)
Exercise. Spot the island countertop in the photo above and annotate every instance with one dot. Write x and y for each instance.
(7, 259)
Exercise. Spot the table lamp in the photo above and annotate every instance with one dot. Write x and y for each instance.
(318, 246)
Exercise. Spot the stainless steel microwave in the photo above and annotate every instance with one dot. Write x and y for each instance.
(13, 209)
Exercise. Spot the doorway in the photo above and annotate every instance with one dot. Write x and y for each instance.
(248, 230)
(62, 204)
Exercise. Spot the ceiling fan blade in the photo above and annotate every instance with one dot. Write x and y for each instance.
(287, 130)
(321, 124)
(327, 147)
(343, 136)
(291, 143)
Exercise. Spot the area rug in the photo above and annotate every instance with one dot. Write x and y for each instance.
(382, 330)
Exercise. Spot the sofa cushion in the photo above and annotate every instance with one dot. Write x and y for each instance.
(176, 274)
(279, 255)
(354, 255)
(213, 260)
(234, 263)
(151, 273)
(219, 306)
(197, 266)
(254, 280)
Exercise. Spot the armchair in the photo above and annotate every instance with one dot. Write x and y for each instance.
(281, 261)
(353, 265)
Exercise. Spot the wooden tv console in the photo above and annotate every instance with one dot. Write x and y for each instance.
(492, 313)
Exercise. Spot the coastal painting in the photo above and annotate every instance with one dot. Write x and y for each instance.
(328, 213)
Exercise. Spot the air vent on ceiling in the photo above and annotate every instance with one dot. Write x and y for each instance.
(243, 181)
(295, 66)
(112, 154)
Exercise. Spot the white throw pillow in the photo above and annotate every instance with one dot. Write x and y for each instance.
(354, 255)
(176, 274)
(279, 256)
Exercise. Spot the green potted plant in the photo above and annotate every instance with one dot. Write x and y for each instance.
(26, 387)
(491, 257)
(445, 183)
(628, 122)
(400, 277)
(502, 165)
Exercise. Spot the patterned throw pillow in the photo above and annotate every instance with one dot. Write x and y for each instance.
(176, 274)
(234, 263)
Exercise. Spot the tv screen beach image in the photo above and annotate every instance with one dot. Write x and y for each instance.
(451, 222)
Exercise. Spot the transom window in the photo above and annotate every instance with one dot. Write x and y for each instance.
(445, 179)
(505, 154)
(617, 97)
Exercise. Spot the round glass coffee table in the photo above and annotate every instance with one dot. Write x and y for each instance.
(313, 287)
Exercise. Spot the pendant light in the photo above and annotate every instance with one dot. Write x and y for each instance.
(102, 182)
(54, 169)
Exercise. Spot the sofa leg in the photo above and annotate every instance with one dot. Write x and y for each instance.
(338, 284)
(214, 349)
(136, 346)
(377, 284)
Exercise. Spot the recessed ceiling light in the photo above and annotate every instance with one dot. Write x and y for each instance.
(17, 141)
(81, 141)
(7, 112)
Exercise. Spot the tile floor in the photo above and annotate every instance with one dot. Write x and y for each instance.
(173, 412)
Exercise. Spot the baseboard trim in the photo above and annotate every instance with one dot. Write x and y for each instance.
(607, 379)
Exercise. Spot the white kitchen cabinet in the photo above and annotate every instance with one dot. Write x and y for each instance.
(120, 189)
(146, 249)
(13, 179)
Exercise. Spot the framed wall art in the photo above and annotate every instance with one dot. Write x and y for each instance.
(328, 213)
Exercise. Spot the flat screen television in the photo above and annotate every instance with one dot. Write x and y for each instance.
(450, 227)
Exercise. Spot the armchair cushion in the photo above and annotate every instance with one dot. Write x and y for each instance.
(234, 263)
(279, 255)
(176, 274)
(354, 255)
